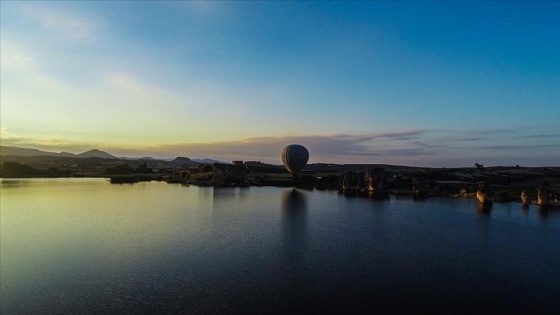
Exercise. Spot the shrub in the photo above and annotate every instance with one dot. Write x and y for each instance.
(119, 169)
(14, 169)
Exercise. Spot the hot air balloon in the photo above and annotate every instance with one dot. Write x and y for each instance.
(295, 157)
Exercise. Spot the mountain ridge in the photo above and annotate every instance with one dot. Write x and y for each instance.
(96, 153)
(93, 153)
(17, 151)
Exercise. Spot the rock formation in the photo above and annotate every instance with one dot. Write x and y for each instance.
(542, 198)
(374, 179)
(524, 198)
(481, 196)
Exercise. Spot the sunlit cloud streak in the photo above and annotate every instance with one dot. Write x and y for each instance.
(408, 147)
(268, 148)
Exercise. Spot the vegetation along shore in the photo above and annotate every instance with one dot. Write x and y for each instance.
(498, 183)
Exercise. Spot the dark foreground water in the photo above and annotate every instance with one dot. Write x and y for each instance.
(75, 246)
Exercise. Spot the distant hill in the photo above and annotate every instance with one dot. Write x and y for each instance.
(208, 161)
(16, 151)
(97, 154)
(29, 152)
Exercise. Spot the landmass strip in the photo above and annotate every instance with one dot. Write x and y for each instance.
(536, 185)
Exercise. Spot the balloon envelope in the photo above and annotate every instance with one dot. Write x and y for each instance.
(295, 157)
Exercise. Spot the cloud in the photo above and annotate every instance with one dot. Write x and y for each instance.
(127, 81)
(4, 131)
(68, 24)
(399, 135)
(472, 139)
(48, 144)
(14, 57)
(8, 138)
(7, 141)
(520, 147)
(536, 136)
(406, 147)
(323, 148)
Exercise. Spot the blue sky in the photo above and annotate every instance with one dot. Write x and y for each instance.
(415, 83)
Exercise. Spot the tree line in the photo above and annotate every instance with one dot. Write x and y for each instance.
(15, 169)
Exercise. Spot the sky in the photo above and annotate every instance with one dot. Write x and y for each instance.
(441, 84)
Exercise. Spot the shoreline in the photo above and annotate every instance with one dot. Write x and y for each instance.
(497, 183)
(373, 194)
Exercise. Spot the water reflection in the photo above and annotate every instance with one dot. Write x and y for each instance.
(380, 196)
(204, 193)
(546, 213)
(12, 183)
(420, 197)
(81, 246)
(524, 209)
(294, 221)
(230, 193)
(484, 209)
(484, 231)
(294, 233)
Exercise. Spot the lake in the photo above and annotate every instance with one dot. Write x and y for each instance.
(72, 246)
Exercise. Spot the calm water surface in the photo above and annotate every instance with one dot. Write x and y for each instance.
(86, 246)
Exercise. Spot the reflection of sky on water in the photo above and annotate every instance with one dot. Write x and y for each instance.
(228, 194)
(160, 247)
(373, 195)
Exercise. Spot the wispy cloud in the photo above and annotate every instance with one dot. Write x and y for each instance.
(127, 81)
(520, 147)
(407, 147)
(537, 136)
(65, 23)
(7, 138)
(401, 135)
(471, 139)
(14, 57)
(323, 148)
